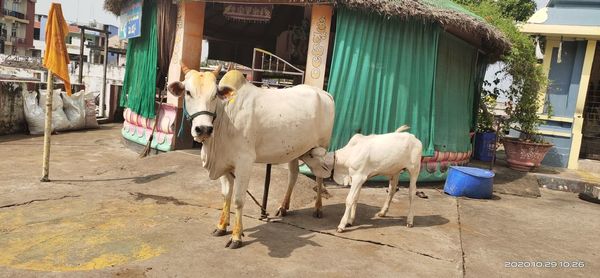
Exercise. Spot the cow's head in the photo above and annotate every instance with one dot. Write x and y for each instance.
(201, 96)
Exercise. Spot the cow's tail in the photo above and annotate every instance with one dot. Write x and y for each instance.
(403, 128)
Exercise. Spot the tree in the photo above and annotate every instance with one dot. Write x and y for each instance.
(519, 10)
(528, 79)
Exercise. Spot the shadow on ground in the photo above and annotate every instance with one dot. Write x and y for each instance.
(306, 226)
(137, 180)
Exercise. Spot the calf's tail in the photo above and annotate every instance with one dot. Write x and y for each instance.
(403, 128)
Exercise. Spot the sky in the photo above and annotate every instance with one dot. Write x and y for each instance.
(541, 3)
(81, 11)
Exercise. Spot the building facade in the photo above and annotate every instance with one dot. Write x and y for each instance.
(93, 45)
(568, 31)
(16, 26)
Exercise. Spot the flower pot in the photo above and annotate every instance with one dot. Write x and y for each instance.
(484, 146)
(524, 156)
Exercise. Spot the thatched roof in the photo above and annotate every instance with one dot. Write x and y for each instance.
(451, 16)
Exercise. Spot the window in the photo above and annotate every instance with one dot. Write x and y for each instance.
(36, 34)
(13, 31)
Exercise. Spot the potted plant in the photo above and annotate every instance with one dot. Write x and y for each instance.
(521, 70)
(526, 152)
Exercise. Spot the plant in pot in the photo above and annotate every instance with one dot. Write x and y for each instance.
(526, 152)
(521, 70)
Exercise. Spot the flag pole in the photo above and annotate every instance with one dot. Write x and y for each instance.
(48, 128)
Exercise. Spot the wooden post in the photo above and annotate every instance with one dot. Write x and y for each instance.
(318, 44)
(187, 49)
(47, 128)
(81, 48)
(263, 210)
(103, 93)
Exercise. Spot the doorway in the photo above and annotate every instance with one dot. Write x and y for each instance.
(590, 143)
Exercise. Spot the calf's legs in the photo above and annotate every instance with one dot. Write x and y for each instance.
(412, 188)
(357, 182)
(391, 191)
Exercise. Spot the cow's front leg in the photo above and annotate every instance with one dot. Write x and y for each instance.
(226, 189)
(292, 177)
(319, 203)
(242, 178)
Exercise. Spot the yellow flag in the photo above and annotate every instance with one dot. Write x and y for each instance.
(56, 57)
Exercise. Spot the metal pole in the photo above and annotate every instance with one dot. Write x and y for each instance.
(103, 94)
(263, 209)
(81, 47)
(47, 128)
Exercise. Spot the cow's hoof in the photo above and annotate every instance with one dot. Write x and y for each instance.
(340, 230)
(219, 232)
(233, 244)
(409, 225)
(380, 214)
(318, 214)
(348, 225)
(282, 212)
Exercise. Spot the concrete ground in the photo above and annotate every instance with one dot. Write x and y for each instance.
(109, 213)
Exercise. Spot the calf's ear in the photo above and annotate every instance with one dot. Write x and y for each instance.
(318, 151)
(176, 89)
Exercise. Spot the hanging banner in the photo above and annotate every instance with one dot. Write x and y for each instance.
(131, 20)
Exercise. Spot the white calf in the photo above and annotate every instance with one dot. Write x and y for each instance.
(375, 155)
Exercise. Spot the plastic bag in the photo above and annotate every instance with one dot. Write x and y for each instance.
(34, 114)
(74, 107)
(90, 110)
(60, 122)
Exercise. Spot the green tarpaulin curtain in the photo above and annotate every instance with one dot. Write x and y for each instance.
(455, 89)
(139, 85)
(382, 76)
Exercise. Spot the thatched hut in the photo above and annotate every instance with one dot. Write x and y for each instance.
(386, 62)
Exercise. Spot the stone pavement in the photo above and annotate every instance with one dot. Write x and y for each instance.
(109, 213)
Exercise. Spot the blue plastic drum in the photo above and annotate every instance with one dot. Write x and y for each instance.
(469, 182)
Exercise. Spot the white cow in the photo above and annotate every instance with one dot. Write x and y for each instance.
(374, 155)
(240, 124)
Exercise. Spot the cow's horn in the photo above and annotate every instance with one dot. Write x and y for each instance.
(184, 68)
(217, 71)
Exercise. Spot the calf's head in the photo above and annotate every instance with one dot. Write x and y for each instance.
(319, 162)
(201, 96)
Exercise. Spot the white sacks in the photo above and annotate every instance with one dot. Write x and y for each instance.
(60, 122)
(90, 110)
(34, 114)
(77, 111)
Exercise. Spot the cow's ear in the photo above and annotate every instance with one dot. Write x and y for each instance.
(225, 92)
(177, 89)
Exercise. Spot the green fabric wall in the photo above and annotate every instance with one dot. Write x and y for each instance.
(390, 72)
(139, 84)
(382, 76)
(455, 90)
